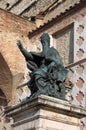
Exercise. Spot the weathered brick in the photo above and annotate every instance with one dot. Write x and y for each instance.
(12, 66)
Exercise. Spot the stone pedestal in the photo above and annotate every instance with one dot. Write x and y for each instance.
(46, 113)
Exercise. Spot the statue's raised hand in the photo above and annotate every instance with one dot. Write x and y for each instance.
(19, 44)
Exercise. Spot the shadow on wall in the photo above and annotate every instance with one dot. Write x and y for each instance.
(3, 101)
(5, 79)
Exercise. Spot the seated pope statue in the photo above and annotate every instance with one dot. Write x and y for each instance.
(47, 74)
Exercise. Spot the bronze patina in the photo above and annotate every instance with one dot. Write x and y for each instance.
(47, 74)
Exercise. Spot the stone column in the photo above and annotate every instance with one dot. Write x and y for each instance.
(46, 113)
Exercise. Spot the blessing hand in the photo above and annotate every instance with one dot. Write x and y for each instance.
(19, 44)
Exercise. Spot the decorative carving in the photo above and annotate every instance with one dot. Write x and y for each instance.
(80, 41)
(80, 96)
(80, 69)
(80, 83)
(80, 29)
(80, 53)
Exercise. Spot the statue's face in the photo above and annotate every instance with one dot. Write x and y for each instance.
(45, 39)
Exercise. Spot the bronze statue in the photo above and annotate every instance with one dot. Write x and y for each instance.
(47, 71)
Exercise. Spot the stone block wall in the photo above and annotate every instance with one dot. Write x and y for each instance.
(64, 44)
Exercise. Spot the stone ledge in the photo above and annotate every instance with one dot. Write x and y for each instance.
(48, 103)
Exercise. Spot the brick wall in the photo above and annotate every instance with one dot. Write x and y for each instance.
(12, 28)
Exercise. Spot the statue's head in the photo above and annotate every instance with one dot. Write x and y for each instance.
(45, 39)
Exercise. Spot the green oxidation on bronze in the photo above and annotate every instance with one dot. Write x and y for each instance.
(47, 74)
